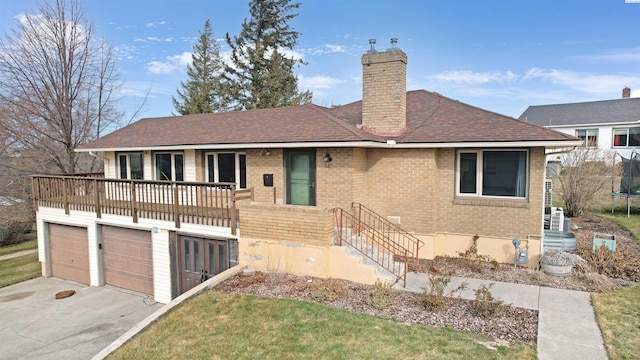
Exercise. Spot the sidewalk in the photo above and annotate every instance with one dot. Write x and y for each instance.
(18, 254)
(567, 327)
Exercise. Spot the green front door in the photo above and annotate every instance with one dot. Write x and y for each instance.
(301, 177)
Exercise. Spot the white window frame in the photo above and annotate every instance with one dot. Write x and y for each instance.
(479, 174)
(216, 174)
(613, 139)
(173, 164)
(127, 156)
(589, 133)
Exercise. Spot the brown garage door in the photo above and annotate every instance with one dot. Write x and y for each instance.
(127, 258)
(69, 252)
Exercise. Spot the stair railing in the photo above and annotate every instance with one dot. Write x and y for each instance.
(377, 239)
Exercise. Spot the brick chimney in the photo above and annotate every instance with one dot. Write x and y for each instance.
(626, 92)
(384, 90)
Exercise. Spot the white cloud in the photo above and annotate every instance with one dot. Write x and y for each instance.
(470, 77)
(326, 49)
(318, 82)
(605, 84)
(635, 94)
(173, 63)
(153, 39)
(155, 23)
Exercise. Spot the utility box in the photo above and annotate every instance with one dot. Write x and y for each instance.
(523, 256)
(603, 239)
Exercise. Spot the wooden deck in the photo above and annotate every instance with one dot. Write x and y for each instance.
(211, 204)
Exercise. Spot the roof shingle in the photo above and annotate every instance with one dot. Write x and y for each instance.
(431, 118)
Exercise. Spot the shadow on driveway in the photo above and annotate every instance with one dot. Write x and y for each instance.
(34, 325)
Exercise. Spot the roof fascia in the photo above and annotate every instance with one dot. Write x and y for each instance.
(615, 123)
(351, 144)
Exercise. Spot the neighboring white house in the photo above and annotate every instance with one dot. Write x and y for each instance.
(608, 124)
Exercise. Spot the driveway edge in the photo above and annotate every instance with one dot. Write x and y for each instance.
(166, 308)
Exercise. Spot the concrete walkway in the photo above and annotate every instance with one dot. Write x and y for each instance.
(18, 254)
(567, 327)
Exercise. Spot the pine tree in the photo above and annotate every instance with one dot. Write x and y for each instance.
(201, 93)
(261, 73)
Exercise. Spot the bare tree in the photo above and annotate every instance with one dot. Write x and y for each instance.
(585, 173)
(57, 84)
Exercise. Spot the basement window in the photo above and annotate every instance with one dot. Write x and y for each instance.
(492, 173)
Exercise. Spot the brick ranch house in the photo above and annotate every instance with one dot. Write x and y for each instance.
(296, 189)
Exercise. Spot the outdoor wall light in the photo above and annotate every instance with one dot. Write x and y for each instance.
(265, 152)
(327, 158)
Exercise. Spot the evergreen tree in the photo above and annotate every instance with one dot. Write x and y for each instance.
(261, 73)
(201, 93)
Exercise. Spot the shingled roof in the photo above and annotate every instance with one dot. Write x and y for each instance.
(594, 112)
(431, 119)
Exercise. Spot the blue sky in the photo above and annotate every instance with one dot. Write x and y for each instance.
(498, 55)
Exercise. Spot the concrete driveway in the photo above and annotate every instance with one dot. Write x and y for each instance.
(34, 325)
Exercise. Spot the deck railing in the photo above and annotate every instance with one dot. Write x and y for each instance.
(178, 201)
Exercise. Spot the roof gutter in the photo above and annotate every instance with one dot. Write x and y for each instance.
(351, 144)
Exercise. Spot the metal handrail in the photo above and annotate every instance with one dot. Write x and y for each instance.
(398, 235)
(373, 244)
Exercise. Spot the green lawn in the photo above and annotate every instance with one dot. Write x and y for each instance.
(618, 315)
(27, 245)
(216, 325)
(19, 269)
(632, 223)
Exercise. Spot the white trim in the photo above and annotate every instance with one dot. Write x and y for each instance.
(351, 144)
(587, 125)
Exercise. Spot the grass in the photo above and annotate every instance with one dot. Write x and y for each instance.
(619, 216)
(27, 245)
(18, 269)
(217, 325)
(618, 315)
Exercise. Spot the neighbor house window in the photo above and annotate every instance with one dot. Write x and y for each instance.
(131, 166)
(227, 167)
(501, 173)
(590, 136)
(169, 166)
(629, 137)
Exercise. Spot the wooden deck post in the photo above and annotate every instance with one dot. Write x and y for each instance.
(233, 221)
(97, 198)
(65, 196)
(132, 199)
(176, 205)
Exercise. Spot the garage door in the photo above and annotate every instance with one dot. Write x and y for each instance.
(69, 252)
(127, 258)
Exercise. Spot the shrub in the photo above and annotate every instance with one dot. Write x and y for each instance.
(474, 261)
(379, 295)
(433, 298)
(619, 264)
(485, 304)
(13, 232)
(327, 290)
